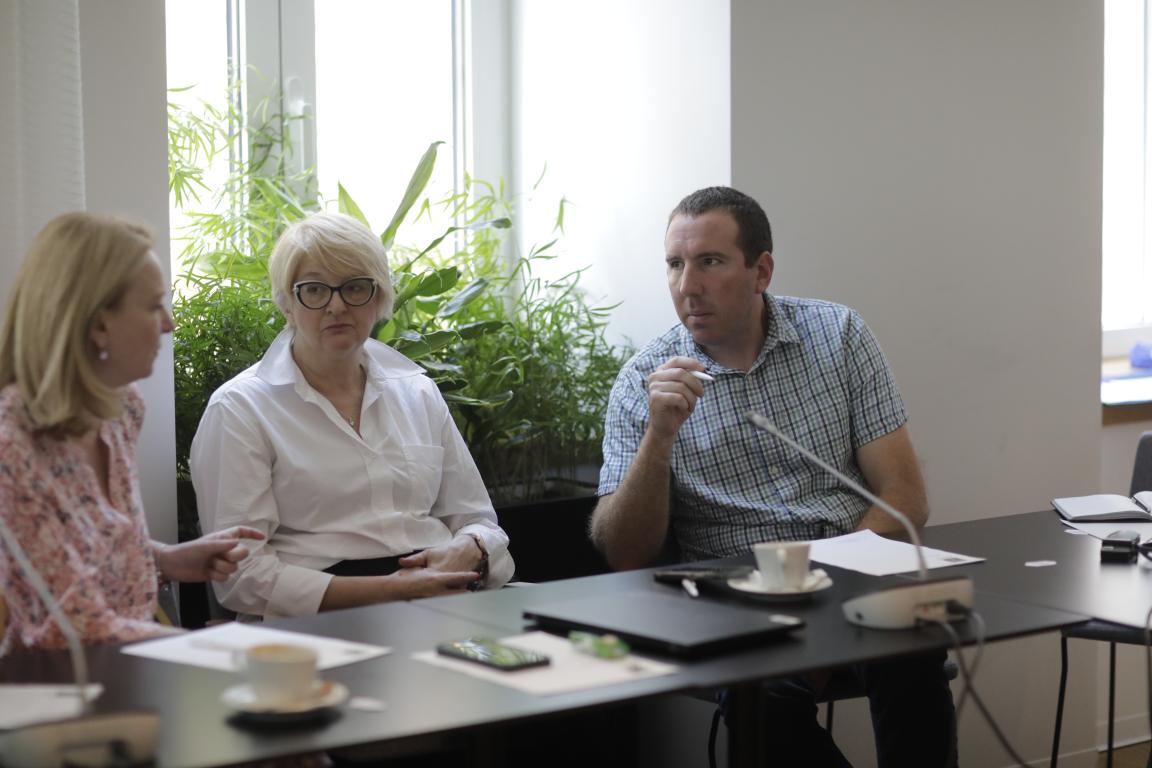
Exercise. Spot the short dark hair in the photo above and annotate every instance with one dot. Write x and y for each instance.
(753, 233)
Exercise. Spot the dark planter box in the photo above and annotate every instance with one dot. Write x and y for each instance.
(549, 539)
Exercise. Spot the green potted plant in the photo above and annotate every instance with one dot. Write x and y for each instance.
(522, 361)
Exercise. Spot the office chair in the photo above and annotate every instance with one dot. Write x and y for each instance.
(1106, 631)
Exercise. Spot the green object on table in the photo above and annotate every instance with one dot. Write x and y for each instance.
(600, 646)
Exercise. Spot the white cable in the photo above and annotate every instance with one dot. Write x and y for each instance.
(976, 657)
(970, 687)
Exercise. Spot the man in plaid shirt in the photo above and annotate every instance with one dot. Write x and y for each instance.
(680, 458)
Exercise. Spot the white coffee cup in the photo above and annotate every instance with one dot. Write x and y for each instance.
(783, 565)
(279, 673)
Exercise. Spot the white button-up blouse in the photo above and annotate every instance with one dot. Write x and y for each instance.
(274, 454)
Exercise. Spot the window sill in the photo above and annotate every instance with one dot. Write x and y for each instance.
(1125, 392)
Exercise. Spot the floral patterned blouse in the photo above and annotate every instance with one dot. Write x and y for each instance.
(94, 554)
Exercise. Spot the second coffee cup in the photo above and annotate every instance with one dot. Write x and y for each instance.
(280, 674)
(783, 565)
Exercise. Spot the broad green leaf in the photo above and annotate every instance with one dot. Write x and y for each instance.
(441, 367)
(425, 344)
(416, 186)
(428, 306)
(451, 384)
(348, 206)
(467, 294)
(386, 332)
(436, 283)
(482, 328)
(487, 402)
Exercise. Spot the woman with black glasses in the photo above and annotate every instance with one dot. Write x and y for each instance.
(340, 450)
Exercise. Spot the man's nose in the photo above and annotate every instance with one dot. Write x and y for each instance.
(689, 281)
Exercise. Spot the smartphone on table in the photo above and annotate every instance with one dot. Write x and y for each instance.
(707, 573)
(492, 653)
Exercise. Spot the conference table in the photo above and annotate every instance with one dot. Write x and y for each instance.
(1035, 558)
(425, 702)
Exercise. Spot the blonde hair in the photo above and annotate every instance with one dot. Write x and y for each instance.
(79, 265)
(339, 244)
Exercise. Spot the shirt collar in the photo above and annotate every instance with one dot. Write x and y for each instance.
(780, 331)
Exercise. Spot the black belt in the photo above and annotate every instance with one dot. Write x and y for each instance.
(376, 566)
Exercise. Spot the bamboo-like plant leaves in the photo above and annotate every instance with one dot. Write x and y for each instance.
(415, 188)
(348, 205)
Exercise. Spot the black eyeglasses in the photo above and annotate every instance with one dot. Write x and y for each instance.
(356, 292)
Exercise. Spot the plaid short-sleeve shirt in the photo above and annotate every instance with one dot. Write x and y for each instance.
(821, 377)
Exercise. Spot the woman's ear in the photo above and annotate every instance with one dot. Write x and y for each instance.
(98, 335)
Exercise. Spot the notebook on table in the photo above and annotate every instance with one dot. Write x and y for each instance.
(1105, 506)
(673, 624)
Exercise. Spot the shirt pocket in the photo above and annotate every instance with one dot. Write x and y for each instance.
(425, 468)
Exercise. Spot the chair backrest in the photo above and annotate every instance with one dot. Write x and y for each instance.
(1142, 467)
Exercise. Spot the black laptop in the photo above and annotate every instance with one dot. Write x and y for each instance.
(669, 623)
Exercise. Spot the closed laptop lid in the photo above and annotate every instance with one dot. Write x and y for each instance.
(669, 623)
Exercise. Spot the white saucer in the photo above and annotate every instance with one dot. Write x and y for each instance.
(817, 581)
(325, 695)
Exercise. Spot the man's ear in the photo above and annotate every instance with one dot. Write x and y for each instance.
(764, 267)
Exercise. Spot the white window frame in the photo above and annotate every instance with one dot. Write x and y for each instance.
(482, 97)
(1117, 245)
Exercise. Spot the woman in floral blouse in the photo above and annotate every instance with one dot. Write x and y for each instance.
(83, 322)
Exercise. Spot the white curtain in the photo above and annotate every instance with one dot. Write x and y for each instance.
(41, 122)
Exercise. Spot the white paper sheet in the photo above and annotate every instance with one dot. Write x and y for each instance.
(866, 552)
(570, 669)
(27, 704)
(217, 647)
(1102, 530)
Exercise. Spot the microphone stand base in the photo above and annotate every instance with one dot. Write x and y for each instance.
(114, 739)
(904, 606)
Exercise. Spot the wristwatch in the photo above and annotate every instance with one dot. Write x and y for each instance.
(482, 566)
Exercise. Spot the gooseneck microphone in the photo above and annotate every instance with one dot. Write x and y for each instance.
(899, 606)
(117, 740)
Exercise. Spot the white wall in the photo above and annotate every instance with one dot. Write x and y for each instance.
(40, 72)
(126, 173)
(627, 104)
(937, 165)
(111, 159)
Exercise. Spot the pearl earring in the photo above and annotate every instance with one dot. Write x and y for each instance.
(103, 355)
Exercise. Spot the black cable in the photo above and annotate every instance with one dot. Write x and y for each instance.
(712, 737)
(970, 690)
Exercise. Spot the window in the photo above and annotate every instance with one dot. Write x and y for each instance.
(378, 80)
(1127, 198)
